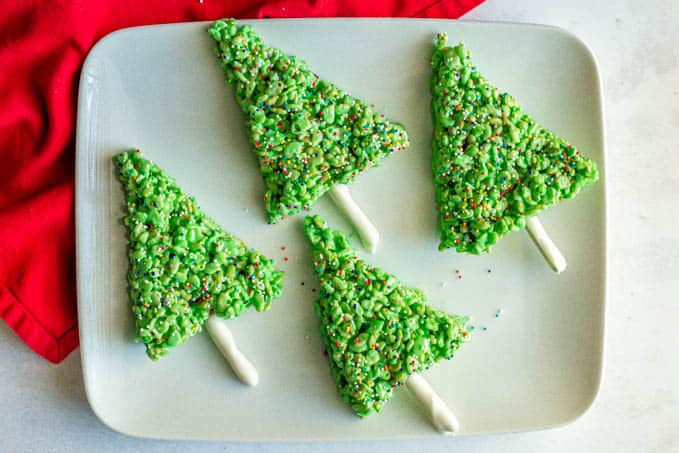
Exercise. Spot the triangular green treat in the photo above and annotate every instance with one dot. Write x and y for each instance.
(493, 165)
(377, 330)
(182, 264)
(308, 134)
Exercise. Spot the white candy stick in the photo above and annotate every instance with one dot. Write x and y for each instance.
(222, 337)
(441, 416)
(549, 250)
(366, 230)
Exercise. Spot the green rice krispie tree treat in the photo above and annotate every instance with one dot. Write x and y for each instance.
(494, 166)
(308, 134)
(378, 332)
(182, 264)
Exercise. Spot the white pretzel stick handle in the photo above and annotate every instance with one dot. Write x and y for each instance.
(366, 230)
(223, 339)
(440, 414)
(547, 247)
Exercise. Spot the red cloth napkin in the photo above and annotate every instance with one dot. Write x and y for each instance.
(42, 47)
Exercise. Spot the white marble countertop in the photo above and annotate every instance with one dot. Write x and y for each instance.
(43, 407)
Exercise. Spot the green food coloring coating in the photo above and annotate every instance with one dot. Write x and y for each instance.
(182, 264)
(308, 134)
(377, 330)
(494, 166)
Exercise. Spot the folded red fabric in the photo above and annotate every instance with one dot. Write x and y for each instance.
(42, 48)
